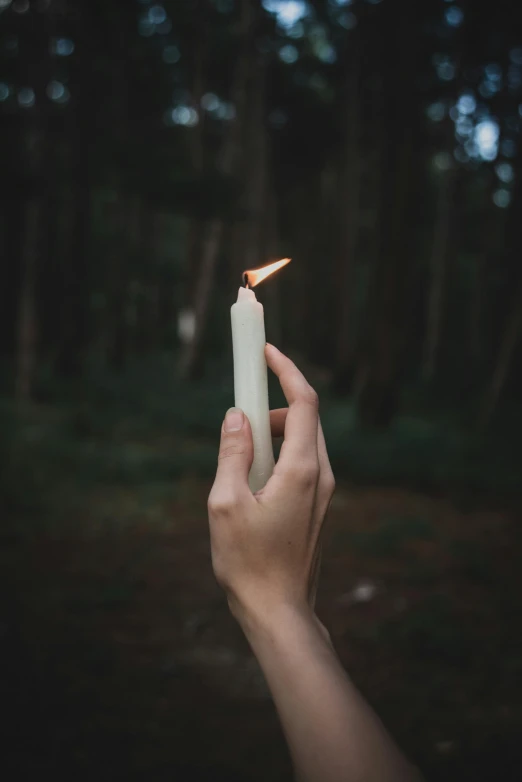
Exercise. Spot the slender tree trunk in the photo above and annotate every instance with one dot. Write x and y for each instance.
(271, 250)
(124, 207)
(145, 315)
(196, 223)
(372, 204)
(75, 310)
(75, 303)
(306, 207)
(377, 377)
(380, 363)
(148, 235)
(211, 243)
(490, 238)
(510, 341)
(439, 267)
(27, 325)
(4, 270)
(199, 67)
(318, 231)
(477, 307)
(210, 246)
(119, 330)
(166, 315)
(256, 165)
(258, 241)
(152, 286)
(34, 70)
(11, 274)
(445, 241)
(513, 329)
(349, 198)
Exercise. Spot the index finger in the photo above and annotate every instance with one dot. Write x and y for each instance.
(302, 420)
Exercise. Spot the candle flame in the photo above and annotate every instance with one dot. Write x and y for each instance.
(252, 277)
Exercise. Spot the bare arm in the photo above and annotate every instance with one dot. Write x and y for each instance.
(265, 554)
(331, 731)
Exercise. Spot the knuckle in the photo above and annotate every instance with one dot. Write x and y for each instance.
(219, 568)
(232, 449)
(310, 396)
(309, 476)
(305, 474)
(221, 505)
(328, 481)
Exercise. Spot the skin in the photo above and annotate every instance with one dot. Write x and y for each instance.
(266, 551)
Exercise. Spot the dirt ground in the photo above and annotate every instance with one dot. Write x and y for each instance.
(120, 660)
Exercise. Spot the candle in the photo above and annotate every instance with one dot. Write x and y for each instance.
(250, 372)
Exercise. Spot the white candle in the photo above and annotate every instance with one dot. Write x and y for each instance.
(250, 381)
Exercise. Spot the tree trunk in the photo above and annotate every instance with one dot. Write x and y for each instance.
(199, 67)
(27, 326)
(378, 366)
(75, 302)
(477, 307)
(381, 357)
(211, 242)
(374, 151)
(271, 250)
(75, 290)
(513, 329)
(125, 209)
(151, 287)
(349, 198)
(256, 167)
(439, 266)
(196, 223)
(119, 284)
(510, 340)
(145, 241)
(315, 291)
(11, 272)
(34, 68)
(227, 161)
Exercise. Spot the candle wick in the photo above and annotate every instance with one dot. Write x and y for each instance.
(245, 277)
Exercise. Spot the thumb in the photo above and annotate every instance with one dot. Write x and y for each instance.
(236, 451)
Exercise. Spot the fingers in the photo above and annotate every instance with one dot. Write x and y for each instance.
(314, 579)
(327, 479)
(236, 453)
(277, 425)
(300, 447)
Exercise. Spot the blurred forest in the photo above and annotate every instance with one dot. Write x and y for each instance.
(152, 151)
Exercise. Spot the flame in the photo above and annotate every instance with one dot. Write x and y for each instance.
(252, 277)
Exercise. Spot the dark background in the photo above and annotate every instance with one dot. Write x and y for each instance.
(149, 153)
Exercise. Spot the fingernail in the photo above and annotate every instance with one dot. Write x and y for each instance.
(234, 420)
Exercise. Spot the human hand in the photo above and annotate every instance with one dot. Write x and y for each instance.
(266, 546)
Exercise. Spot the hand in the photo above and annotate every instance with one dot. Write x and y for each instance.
(265, 553)
(266, 546)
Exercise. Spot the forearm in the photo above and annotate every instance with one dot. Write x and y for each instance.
(332, 733)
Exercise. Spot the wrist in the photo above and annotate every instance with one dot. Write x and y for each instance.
(262, 623)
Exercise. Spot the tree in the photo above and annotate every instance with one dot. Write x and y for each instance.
(512, 331)
(34, 70)
(382, 349)
(227, 162)
(349, 219)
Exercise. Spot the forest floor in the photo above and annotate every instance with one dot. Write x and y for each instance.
(120, 660)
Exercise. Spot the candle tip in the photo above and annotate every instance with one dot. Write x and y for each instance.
(246, 294)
